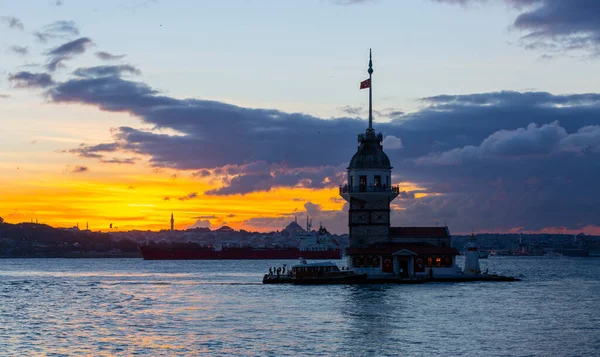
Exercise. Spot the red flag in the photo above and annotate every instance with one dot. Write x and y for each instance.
(365, 84)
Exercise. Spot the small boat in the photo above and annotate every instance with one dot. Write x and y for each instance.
(324, 273)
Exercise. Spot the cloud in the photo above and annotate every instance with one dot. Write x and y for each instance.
(525, 172)
(114, 160)
(4, 96)
(166, 198)
(12, 22)
(201, 173)
(19, 50)
(350, 110)
(554, 25)
(94, 151)
(57, 2)
(205, 217)
(57, 30)
(532, 140)
(238, 135)
(105, 56)
(30, 80)
(356, 111)
(78, 169)
(66, 51)
(391, 142)
(106, 71)
(261, 176)
(351, 2)
(201, 223)
(189, 196)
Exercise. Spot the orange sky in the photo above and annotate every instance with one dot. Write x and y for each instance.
(134, 197)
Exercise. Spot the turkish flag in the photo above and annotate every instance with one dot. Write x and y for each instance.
(365, 84)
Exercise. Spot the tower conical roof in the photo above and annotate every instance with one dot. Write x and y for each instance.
(370, 153)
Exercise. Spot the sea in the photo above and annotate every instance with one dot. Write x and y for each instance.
(123, 307)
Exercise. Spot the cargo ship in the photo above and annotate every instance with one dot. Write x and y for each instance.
(307, 244)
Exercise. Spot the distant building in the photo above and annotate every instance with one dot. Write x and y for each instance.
(375, 247)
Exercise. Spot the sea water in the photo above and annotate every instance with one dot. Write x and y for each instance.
(107, 307)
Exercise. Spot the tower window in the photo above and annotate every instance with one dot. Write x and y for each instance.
(377, 182)
(351, 181)
(363, 182)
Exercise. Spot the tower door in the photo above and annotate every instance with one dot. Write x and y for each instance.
(403, 266)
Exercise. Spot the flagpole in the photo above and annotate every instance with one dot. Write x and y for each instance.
(370, 91)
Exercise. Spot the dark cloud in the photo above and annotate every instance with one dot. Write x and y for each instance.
(21, 50)
(114, 160)
(94, 151)
(261, 176)
(106, 71)
(57, 30)
(57, 2)
(12, 22)
(206, 217)
(166, 198)
(78, 169)
(189, 196)
(30, 80)
(66, 51)
(4, 96)
(554, 25)
(238, 135)
(105, 56)
(501, 159)
(201, 173)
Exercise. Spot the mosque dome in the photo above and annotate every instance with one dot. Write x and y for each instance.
(370, 153)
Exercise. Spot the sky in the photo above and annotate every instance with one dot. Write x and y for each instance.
(245, 113)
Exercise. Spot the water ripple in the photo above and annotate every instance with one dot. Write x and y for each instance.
(107, 307)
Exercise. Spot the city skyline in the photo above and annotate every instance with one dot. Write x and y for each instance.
(245, 119)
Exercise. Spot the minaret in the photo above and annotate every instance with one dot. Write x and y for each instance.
(369, 188)
(172, 222)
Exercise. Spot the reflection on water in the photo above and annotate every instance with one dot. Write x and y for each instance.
(106, 307)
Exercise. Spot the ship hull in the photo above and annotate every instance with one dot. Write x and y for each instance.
(157, 253)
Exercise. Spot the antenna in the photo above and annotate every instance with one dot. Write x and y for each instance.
(370, 70)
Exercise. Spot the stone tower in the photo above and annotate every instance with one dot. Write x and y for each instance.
(369, 188)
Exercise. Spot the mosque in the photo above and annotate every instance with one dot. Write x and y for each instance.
(375, 247)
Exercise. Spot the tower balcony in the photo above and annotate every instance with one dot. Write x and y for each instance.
(369, 193)
(344, 189)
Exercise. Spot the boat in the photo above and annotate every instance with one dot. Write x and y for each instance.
(315, 273)
(324, 273)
